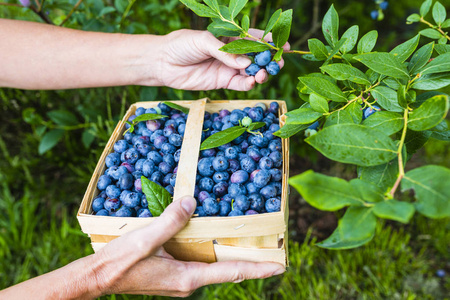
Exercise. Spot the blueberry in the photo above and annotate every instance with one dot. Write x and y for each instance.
(140, 111)
(211, 206)
(113, 159)
(241, 202)
(164, 108)
(203, 195)
(239, 139)
(200, 211)
(173, 179)
(155, 157)
(157, 177)
(269, 191)
(152, 110)
(259, 141)
(205, 167)
(265, 163)
(313, 126)
(155, 135)
(143, 149)
(220, 189)
(123, 194)
(165, 168)
(277, 158)
(231, 152)
(370, 111)
(126, 181)
(276, 174)
(224, 208)
(224, 112)
(384, 5)
(153, 125)
(234, 165)
(130, 119)
(145, 213)
(274, 127)
(128, 136)
(168, 148)
(221, 176)
(159, 141)
(273, 68)
(144, 202)
(166, 179)
(220, 163)
(103, 182)
(128, 166)
(251, 188)
(273, 205)
(175, 139)
(265, 151)
(248, 164)
(273, 107)
(97, 204)
(170, 189)
(217, 125)
(254, 153)
(227, 198)
(102, 212)
(236, 189)
(263, 58)
(206, 184)
(120, 146)
(113, 191)
(181, 129)
(208, 153)
(262, 178)
(239, 176)
(112, 204)
(124, 212)
(169, 130)
(440, 273)
(252, 69)
(374, 14)
(256, 202)
(168, 158)
(275, 145)
(235, 213)
(139, 128)
(251, 212)
(148, 167)
(130, 156)
(244, 145)
(176, 155)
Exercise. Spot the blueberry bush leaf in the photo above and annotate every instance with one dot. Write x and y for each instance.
(244, 46)
(222, 137)
(50, 139)
(394, 210)
(429, 114)
(158, 198)
(330, 26)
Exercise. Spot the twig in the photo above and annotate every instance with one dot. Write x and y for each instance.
(315, 25)
(255, 15)
(401, 170)
(434, 27)
(71, 12)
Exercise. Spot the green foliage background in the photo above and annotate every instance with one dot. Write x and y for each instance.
(40, 194)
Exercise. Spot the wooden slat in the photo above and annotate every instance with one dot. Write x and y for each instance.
(258, 242)
(228, 253)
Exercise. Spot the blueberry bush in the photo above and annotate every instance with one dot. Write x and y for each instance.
(362, 107)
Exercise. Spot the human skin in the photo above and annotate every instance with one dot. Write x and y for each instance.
(137, 264)
(41, 56)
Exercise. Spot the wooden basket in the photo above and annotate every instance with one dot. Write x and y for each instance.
(260, 237)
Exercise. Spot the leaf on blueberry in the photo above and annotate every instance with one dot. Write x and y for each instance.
(158, 198)
(222, 137)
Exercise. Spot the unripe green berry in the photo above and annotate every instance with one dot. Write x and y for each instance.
(246, 121)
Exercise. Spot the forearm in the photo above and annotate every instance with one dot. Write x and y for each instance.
(76, 280)
(40, 56)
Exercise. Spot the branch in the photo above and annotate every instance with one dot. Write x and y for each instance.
(422, 20)
(255, 14)
(315, 25)
(401, 169)
(71, 12)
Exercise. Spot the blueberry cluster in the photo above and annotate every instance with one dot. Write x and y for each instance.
(243, 176)
(377, 14)
(152, 150)
(262, 60)
(368, 111)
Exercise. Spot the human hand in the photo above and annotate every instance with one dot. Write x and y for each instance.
(191, 60)
(136, 263)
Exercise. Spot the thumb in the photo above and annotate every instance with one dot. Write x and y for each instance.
(212, 45)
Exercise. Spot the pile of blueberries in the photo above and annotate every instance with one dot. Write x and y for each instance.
(152, 150)
(242, 177)
(262, 60)
(237, 178)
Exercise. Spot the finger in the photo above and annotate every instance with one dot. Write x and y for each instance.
(232, 271)
(261, 76)
(211, 46)
(241, 83)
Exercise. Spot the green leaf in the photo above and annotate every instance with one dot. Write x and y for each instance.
(354, 144)
(256, 125)
(394, 210)
(236, 6)
(386, 98)
(245, 23)
(413, 18)
(443, 136)
(63, 117)
(318, 103)
(289, 130)
(431, 82)
(430, 33)
(355, 229)
(429, 114)
(220, 28)
(415, 140)
(158, 198)
(385, 121)
(430, 184)
(282, 29)
(272, 21)
(106, 10)
(30, 116)
(200, 9)
(302, 116)
(439, 13)
(244, 46)
(441, 49)
(404, 50)
(352, 37)
(367, 42)
(222, 137)
(318, 49)
(325, 192)
(323, 88)
(420, 58)
(401, 96)
(446, 24)
(87, 138)
(148, 117)
(177, 107)
(368, 191)
(339, 117)
(383, 176)
(330, 26)
(346, 72)
(439, 65)
(335, 50)
(384, 63)
(425, 7)
(355, 111)
(278, 55)
(213, 4)
(49, 140)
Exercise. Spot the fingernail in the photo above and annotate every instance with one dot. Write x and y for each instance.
(279, 271)
(188, 204)
(243, 61)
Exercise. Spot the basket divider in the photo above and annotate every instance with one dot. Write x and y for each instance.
(187, 166)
